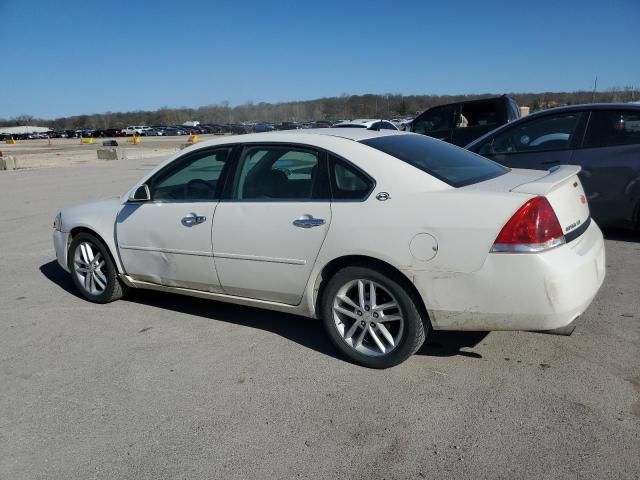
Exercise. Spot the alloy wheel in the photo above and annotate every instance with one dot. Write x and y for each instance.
(368, 317)
(89, 268)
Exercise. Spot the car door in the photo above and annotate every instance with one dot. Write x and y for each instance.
(167, 240)
(538, 142)
(436, 122)
(267, 236)
(610, 161)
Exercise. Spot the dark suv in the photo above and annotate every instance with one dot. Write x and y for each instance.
(604, 139)
(462, 122)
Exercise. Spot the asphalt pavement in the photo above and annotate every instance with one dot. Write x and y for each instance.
(163, 386)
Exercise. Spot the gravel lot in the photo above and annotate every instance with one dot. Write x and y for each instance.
(69, 151)
(164, 386)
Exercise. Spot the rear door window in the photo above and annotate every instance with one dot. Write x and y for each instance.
(280, 173)
(613, 127)
(453, 165)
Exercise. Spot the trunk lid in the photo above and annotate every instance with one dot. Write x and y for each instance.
(563, 189)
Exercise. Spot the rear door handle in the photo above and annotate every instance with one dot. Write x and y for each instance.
(193, 219)
(307, 221)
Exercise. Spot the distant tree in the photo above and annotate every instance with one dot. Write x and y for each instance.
(334, 108)
(402, 108)
(23, 120)
(535, 105)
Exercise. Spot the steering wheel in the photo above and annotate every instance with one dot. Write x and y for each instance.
(198, 182)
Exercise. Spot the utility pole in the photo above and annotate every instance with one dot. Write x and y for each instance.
(595, 87)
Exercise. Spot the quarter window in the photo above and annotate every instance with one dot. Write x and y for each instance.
(279, 173)
(196, 177)
(613, 127)
(347, 183)
(551, 132)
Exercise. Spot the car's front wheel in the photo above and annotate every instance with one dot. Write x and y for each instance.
(371, 317)
(93, 271)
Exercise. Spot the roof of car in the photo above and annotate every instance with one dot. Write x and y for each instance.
(355, 134)
(591, 106)
(475, 100)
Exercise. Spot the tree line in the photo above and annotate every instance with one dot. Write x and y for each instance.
(331, 108)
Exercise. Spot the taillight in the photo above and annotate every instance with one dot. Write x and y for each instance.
(533, 228)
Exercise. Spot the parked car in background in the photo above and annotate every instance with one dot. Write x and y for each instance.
(263, 127)
(604, 139)
(152, 132)
(462, 122)
(59, 134)
(134, 130)
(381, 234)
(173, 131)
(288, 126)
(238, 129)
(368, 123)
(321, 124)
(216, 128)
(107, 133)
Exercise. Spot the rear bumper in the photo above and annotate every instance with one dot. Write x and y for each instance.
(60, 244)
(542, 291)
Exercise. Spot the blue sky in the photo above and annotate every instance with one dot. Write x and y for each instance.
(70, 57)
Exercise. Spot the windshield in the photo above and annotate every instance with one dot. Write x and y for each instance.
(453, 165)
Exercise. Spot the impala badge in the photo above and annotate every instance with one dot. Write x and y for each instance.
(383, 196)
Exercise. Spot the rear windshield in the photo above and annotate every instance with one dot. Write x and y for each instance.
(453, 165)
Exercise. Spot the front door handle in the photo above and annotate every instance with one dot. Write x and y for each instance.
(193, 219)
(307, 221)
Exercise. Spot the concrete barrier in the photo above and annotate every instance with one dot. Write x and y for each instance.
(111, 154)
(8, 163)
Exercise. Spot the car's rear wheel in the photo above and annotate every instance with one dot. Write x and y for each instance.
(371, 317)
(93, 271)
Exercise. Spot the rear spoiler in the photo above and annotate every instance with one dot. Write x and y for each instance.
(555, 177)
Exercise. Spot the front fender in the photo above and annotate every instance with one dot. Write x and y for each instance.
(99, 217)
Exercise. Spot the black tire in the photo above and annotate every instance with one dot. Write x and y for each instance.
(415, 326)
(114, 289)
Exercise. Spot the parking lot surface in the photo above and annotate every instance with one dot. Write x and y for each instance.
(164, 386)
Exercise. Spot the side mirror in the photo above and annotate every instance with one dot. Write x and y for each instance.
(141, 194)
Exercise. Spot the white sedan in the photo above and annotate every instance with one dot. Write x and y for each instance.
(383, 235)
